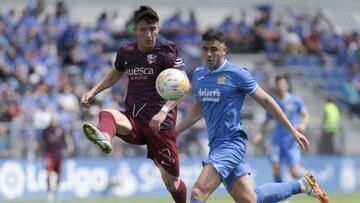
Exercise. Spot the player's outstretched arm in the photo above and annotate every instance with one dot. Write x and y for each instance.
(193, 116)
(266, 101)
(158, 118)
(304, 121)
(110, 78)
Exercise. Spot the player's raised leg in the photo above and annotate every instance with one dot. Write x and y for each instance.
(111, 121)
(274, 192)
(313, 189)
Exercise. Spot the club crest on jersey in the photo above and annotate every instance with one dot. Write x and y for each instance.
(221, 80)
(151, 58)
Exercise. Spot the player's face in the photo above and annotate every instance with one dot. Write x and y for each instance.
(214, 53)
(146, 34)
(282, 86)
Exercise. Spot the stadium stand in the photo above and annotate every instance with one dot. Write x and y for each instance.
(53, 51)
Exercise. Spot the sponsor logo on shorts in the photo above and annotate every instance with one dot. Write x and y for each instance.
(164, 163)
(167, 154)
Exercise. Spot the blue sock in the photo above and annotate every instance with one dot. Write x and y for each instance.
(196, 201)
(274, 192)
(278, 179)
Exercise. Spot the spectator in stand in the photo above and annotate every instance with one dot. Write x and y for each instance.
(292, 42)
(350, 96)
(172, 26)
(230, 28)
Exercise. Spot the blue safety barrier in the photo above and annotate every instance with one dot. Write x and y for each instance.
(105, 177)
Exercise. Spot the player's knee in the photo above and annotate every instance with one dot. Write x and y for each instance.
(123, 125)
(171, 185)
(110, 110)
(247, 199)
(251, 199)
(294, 173)
(197, 194)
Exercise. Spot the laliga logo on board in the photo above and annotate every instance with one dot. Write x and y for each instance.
(17, 179)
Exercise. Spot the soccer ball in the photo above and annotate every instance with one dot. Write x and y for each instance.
(172, 84)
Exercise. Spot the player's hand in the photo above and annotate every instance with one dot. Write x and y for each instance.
(302, 140)
(86, 99)
(156, 121)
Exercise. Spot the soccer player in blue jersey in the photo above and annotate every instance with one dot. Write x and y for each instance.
(220, 88)
(284, 149)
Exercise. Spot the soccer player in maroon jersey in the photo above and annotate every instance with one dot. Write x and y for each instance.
(54, 139)
(148, 119)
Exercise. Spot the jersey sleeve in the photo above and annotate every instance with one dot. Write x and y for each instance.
(119, 61)
(174, 59)
(245, 81)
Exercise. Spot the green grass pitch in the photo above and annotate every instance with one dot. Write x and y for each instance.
(334, 198)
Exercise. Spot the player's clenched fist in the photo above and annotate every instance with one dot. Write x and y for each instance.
(86, 99)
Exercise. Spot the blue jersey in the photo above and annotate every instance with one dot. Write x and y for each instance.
(221, 94)
(293, 107)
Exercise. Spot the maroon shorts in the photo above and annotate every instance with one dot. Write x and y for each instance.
(162, 147)
(53, 163)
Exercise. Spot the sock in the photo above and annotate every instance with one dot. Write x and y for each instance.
(278, 179)
(301, 173)
(196, 201)
(275, 192)
(180, 194)
(304, 185)
(107, 123)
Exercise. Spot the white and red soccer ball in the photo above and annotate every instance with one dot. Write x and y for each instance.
(172, 84)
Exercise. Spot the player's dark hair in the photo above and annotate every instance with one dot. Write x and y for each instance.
(286, 78)
(146, 13)
(281, 77)
(213, 34)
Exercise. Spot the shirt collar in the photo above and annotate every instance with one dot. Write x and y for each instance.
(218, 69)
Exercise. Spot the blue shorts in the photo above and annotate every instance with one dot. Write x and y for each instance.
(228, 160)
(290, 155)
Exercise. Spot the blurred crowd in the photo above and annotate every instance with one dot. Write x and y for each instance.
(48, 61)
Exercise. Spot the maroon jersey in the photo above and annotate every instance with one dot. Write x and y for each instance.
(54, 140)
(142, 69)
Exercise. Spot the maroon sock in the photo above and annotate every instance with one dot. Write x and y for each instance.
(180, 194)
(107, 123)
